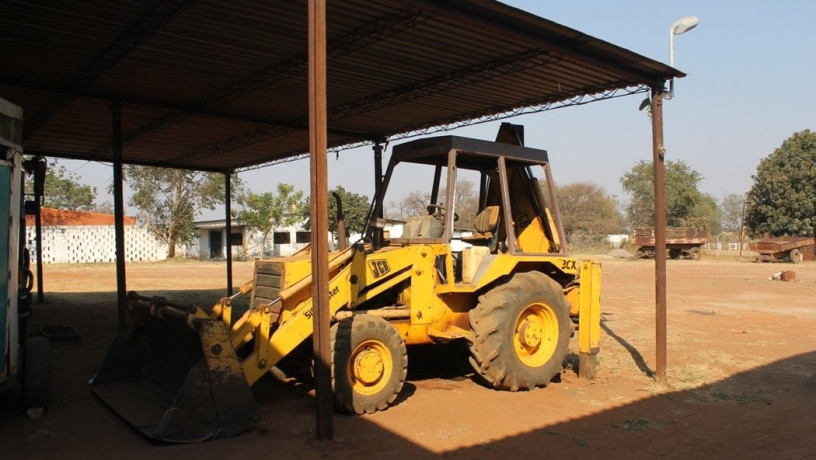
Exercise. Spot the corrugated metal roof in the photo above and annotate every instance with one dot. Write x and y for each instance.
(217, 85)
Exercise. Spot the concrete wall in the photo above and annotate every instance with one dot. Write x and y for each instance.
(90, 243)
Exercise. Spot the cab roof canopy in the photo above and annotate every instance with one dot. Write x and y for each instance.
(219, 86)
(476, 153)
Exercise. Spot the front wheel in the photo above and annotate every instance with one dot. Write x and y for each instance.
(521, 333)
(694, 253)
(369, 365)
(795, 256)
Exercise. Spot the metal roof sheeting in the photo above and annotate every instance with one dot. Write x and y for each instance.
(216, 85)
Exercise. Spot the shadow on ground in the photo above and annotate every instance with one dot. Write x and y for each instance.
(768, 411)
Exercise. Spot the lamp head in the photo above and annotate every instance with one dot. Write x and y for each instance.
(684, 24)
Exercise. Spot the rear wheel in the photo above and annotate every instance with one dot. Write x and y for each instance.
(795, 256)
(521, 333)
(694, 253)
(675, 253)
(369, 364)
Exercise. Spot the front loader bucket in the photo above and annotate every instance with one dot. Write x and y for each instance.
(176, 380)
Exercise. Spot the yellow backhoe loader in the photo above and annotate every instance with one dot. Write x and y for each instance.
(506, 285)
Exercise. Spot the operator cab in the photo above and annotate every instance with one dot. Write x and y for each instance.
(469, 193)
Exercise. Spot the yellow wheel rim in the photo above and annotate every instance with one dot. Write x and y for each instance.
(535, 335)
(370, 367)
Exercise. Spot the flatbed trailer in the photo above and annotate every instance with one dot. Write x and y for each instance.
(793, 249)
(682, 242)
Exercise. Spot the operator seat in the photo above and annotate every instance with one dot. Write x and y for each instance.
(486, 223)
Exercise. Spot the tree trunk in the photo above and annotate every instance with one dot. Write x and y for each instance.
(171, 246)
(263, 245)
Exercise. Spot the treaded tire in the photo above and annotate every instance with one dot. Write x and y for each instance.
(37, 373)
(369, 364)
(498, 327)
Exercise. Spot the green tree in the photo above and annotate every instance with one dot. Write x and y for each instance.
(169, 199)
(355, 210)
(265, 211)
(63, 190)
(706, 212)
(587, 210)
(684, 202)
(782, 200)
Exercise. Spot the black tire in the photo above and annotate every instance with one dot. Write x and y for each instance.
(795, 256)
(521, 333)
(37, 372)
(694, 253)
(675, 253)
(369, 364)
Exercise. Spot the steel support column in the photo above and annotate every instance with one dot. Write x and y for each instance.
(228, 212)
(319, 216)
(658, 161)
(119, 211)
(38, 198)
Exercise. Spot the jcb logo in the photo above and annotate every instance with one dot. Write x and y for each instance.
(379, 267)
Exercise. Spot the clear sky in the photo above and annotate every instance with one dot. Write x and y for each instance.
(749, 66)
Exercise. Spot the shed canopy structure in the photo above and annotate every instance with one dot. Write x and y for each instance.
(219, 86)
(222, 86)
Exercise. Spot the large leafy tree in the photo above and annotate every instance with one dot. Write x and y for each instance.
(169, 199)
(266, 211)
(782, 200)
(63, 190)
(587, 210)
(684, 202)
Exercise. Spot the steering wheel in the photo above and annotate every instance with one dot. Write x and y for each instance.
(439, 211)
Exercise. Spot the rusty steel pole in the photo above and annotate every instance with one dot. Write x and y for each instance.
(658, 161)
(319, 216)
(119, 211)
(228, 212)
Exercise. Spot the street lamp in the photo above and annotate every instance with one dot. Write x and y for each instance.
(678, 27)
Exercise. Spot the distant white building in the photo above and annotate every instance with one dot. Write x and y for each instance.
(617, 241)
(247, 243)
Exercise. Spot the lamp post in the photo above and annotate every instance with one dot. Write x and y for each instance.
(678, 27)
(658, 157)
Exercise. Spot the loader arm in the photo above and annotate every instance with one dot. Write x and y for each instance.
(296, 324)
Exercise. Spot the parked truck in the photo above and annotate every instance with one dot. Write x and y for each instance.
(181, 373)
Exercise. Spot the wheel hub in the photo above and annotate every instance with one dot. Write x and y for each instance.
(536, 334)
(368, 366)
(530, 332)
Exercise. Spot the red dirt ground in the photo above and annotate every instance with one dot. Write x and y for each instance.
(741, 380)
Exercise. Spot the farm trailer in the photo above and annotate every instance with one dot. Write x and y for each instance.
(680, 241)
(784, 249)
